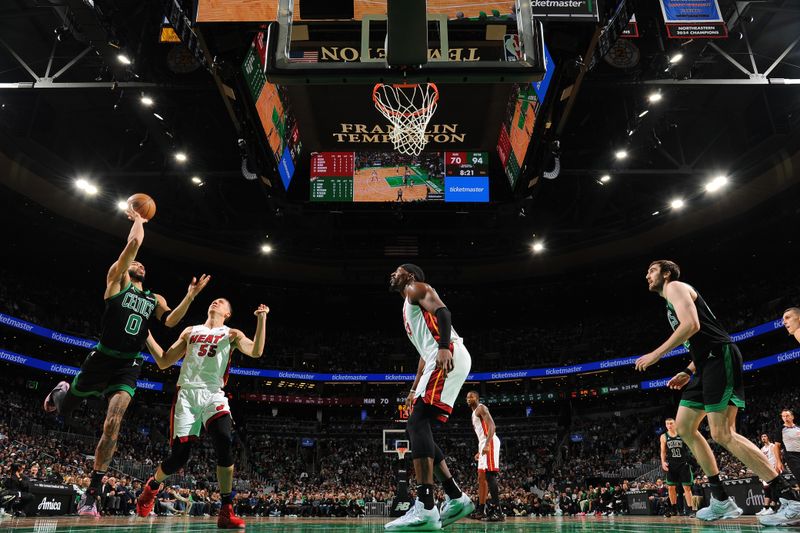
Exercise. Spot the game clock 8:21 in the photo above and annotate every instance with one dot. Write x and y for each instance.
(466, 163)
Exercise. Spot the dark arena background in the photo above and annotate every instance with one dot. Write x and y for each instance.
(572, 144)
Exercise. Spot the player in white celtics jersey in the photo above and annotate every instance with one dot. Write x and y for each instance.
(488, 455)
(200, 402)
(444, 364)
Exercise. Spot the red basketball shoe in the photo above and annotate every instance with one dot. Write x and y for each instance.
(228, 519)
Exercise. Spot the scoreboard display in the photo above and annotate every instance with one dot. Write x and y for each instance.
(392, 177)
(466, 164)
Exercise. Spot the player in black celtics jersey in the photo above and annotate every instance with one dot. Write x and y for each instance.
(716, 392)
(675, 462)
(111, 369)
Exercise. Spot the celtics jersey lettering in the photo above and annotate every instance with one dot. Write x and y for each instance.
(710, 336)
(677, 452)
(126, 320)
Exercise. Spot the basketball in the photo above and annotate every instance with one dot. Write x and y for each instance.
(143, 204)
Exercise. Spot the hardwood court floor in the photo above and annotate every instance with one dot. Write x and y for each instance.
(623, 524)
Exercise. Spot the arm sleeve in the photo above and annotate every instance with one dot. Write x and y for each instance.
(777, 435)
(444, 321)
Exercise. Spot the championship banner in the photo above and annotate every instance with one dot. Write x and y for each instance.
(693, 19)
(565, 10)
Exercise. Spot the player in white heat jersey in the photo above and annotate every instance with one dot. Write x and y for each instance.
(488, 455)
(200, 402)
(768, 449)
(444, 364)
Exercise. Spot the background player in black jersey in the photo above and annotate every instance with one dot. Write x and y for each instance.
(716, 392)
(675, 462)
(112, 368)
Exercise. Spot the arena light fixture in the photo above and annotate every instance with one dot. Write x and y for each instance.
(654, 213)
(81, 184)
(159, 117)
(654, 97)
(675, 58)
(125, 60)
(146, 100)
(643, 113)
(677, 203)
(197, 180)
(122, 205)
(266, 248)
(537, 247)
(181, 157)
(621, 154)
(605, 178)
(716, 184)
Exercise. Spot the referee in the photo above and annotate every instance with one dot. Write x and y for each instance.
(789, 436)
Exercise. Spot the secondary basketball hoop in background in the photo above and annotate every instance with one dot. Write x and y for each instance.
(395, 441)
(409, 108)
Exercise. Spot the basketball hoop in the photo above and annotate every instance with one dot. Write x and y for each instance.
(409, 107)
(401, 452)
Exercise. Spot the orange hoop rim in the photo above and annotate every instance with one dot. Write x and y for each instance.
(394, 113)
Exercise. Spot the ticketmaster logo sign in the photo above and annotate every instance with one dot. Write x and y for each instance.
(466, 189)
(564, 9)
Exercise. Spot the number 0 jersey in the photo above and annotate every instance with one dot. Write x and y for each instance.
(207, 360)
(126, 321)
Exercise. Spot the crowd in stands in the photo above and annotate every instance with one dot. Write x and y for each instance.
(542, 473)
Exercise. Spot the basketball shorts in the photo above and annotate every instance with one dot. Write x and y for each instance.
(490, 462)
(680, 474)
(193, 409)
(102, 374)
(717, 382)
(440, 391)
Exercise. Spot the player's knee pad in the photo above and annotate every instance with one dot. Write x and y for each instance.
(181, 451)
(221, 433)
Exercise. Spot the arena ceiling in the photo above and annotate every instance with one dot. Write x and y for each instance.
(69, 108)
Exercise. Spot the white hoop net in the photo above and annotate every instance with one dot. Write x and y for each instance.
(409, 108)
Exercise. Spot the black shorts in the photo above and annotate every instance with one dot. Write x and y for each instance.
(718, 381)
(680, 474)
(102, 374)
(792, 460)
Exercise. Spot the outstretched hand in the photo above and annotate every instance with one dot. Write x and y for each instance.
(679, 381)
(134, 215)
(646, 360)
(198, 285)
(262, 310)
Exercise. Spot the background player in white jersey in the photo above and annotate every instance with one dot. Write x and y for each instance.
(488, 455)
(768, 449)
(444, 364)
(201, 402)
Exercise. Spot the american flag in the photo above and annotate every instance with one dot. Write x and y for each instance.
(304, 56)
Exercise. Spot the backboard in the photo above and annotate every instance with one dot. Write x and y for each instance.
(334, 42)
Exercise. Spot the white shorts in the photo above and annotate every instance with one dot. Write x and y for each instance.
(490, 462)
(193, 409)
(442, 391)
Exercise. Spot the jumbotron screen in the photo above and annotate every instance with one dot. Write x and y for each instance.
(392, 177)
